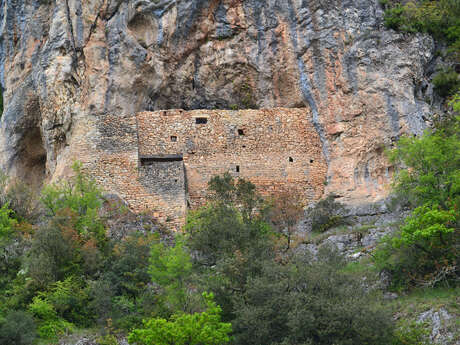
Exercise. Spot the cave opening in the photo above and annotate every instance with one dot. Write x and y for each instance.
(32, 158)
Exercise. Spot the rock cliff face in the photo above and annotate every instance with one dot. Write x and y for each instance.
(66, 64)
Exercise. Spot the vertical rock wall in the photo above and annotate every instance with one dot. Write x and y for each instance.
(67, 64)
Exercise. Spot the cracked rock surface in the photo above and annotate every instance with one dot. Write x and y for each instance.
(66, 64)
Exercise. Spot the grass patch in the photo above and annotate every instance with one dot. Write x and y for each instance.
(421, 300)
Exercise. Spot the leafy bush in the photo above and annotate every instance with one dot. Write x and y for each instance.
(22, 200)
(6, 223)
(435, 17)
(170, 268)
(424, 252)
(58, 251)
(50, 324)
(325, 214)
(446, 82)
(11, 250)
(440, 18)
(310, 302)
(17, 328)
(80, 198)
(203, 328)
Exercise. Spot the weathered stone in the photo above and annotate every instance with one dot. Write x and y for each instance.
(149, 159)
(67, 67)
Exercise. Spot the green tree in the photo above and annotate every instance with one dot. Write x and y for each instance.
(229, 238)
(17, 328)
(286, 211)
(425, 249)
(171, 268)
(305, 301)
(50, 325)
(79, 196)
(203, 328)
(11, 250)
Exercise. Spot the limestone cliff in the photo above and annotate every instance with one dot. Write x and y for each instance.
(65, 65)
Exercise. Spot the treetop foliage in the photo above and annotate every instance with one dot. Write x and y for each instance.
(203, 328)
(425, 251)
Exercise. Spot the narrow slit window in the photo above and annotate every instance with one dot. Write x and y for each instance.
(173, 138)
(237, 168)
(240, 132)
(291, 159)
(201, 120)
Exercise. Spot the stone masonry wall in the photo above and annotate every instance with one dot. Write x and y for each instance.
(161, 161)
(277, 149)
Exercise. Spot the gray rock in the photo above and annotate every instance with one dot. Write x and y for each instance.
(439, 321)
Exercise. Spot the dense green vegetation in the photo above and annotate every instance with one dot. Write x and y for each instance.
(425, 250)
(441, 19)
(238, 273)
(61, 270)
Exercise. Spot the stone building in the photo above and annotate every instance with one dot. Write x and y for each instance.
(161, 161)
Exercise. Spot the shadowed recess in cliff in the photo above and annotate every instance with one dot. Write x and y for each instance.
(31, 158)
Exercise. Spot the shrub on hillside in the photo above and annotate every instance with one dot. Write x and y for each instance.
(326, 214)
(310, 302)
(425, 250)
(17, 328)
(446, 82)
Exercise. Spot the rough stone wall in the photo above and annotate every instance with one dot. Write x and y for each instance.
(277, 149)
(68, 65)
(163, 160)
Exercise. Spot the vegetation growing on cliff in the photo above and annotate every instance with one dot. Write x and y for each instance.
(441, 19)
(230, 278)
(234, 276)
(425, 251)
(63, 272)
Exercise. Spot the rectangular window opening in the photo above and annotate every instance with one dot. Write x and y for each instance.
(150, 160)
(240, 132)
(173, 138)
(201, 120)
(237, 169)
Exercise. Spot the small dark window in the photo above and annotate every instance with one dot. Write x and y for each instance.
(240, 132)
(238, 168)
(201, 120)
(291, 159)
(175, 180)
(311, 160)
(173, 138)
(244, 146)
(151, 160)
